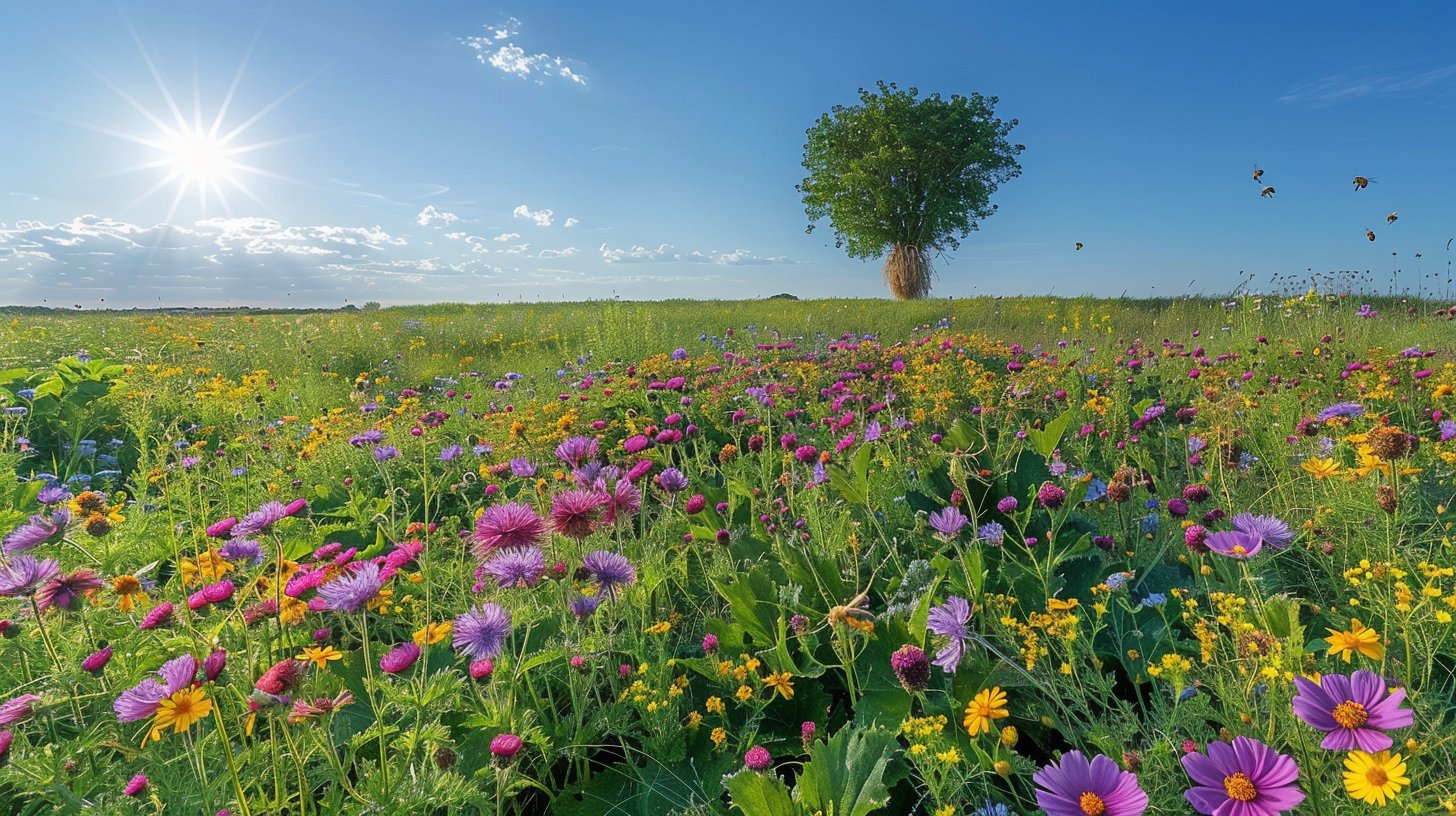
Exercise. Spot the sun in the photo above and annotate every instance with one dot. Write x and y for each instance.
(198, 157)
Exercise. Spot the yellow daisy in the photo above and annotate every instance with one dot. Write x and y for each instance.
(988, 705)
(1374, 779)
(181, 710)
(320, 655)
(781, 682)
(1360, 639)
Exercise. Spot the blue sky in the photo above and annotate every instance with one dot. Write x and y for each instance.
(428, 151)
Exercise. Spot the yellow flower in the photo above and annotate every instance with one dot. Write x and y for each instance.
(433, 632)
(988, 705)
(659, 628)
(1374, 779)
(714, 705)
(718, 736)
(744, 694)
(320, 655)
(1009, 736)
(950, 756)
(1360, 639)
(1320, 468)
(945, 810)
(181, 710)
(129, 592)
(781, 682)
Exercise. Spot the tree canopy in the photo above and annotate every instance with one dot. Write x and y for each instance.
(905, 175)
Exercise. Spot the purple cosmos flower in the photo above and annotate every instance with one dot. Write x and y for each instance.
(142, 700)
(948, 522)
(949, 621)
(610, 570)
(1247, 778)
(18, 708)
(519, 567)
(1341, 409)
(1234, 544)
(352, 592)
(1075, 786)
(1354, 711)
(507, 525)
(573, 512)
(576, 450)
(66, 591)
(1268, 529)
(481, 632)
(260, 519)
(34, 533)
(23, 573)
(400, 658)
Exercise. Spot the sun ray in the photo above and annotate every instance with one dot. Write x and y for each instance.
(266, 109)
(156, 75)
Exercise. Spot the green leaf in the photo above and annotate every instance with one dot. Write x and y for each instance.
(753, 598)
(760, 794)
(1045, 440)
(845, 775)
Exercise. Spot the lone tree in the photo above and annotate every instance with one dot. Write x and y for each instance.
(906, 175)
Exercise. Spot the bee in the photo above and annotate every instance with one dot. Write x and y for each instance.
(1267, 192)
(853, 614)
(1370, 234)
(1258, 174)
(1361, 182)
(1079, 245)
(1392, 218)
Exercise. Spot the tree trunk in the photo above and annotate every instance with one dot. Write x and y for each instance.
(908, 272)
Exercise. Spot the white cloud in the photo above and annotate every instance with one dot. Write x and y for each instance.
(430, 215)
(497, 50)
(1343, 88)
(542, 217)
(667, 253)
(570, 222)
(505, 237)
(557, 253)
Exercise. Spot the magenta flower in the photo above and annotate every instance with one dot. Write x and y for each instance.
(135, 787)
(505, 746)
(160, 615)
(507, 525)
(623, 501)
(1247, 778)
(6, 737)
(222, 528)
(1354, 711)
(1051, 496)
(97, 660)
(911, 667)
(758, 758)
(1075, 786)
(66, 591)
(574, 512)
(400, 658)
(19, 708)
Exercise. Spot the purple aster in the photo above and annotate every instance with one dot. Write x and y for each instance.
(53, 494)
(1075, 786)
(672, 480)
(1448, 430)
(350, 593)
(949, 620)
(481, 632)
(519, 567)
(383, 453)
(369, 437)
(143, 699)
(577, 450)
(574, 512)
(1341, 409)
(522, 468)
(238, 550)
(260, 519)
(1267, 529)
(1234, 544)
(623, 501)
(23, 573)
(1354, 711)
(450, 453)
(18, 708)
(584, 606)
(34, 533)
(65, 591)
(400, 658)
(948, 522)
(1247, 778)
(507, 525)
(610, 570)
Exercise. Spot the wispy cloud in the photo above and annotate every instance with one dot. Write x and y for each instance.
(1338, 88)
(541, 217)
(429, 215)
(498, 50)
(667, 253)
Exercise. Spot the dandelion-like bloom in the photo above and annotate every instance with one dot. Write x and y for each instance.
(1360, 638)
(1247, 778)
(351, 593)
(32, 534)
(948, 522)
(1268, 529)
(481, 632)
(1234, 544)
(66, 591)
(400, 658)
(758, 758)
(949, 620)
(145, 698)
(573, 512)
(986, 707)
(1374, 779)
(610, 570)
(18, 708)
(261, 519)
(576, 450)
(23, 573)
(507, 525)
(137, 784)
(1354, 711)
(1076, 786)
(911, 667)
(519, 567)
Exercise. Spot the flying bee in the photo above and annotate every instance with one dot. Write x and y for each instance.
(1370, 234)
(1079, 245)
(1392, 218)
(1361, 182)
(1258, 174)
(1267, 192)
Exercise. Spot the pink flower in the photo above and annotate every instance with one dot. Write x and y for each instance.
(400, 658)
(758, 758)
(137, 784)
(505, 746)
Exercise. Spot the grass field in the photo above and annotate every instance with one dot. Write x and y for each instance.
(772, 557)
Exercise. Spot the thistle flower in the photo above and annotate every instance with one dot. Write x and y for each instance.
(400, 658)
(481, 632)
(947, 522)
(505, 746)
(23, 573)
(35, 532)
(97, 660)
(507, 525)
(135, 787)
(1075, 786)
(1051, 496)
(609, 570)
(519, 567)
(352, 592)
(18, 708)
(672, 480)
(912, 667)
(1248, 778)
(574, 512)
(949, 620)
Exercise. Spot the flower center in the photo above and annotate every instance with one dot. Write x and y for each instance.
(1350, 714)
(1239, 549)
(1092, 804)
(1376, 777)
(1239, 786)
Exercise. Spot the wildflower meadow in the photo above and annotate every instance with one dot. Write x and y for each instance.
(991, 557)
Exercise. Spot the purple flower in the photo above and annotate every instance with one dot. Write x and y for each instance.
(1448, 430)
(1050, 495)
(213, 664)
(758, 758)
(1354, 711)
(992, 533)
(1234, 544)
(23, 573)
(1247, 778)
(351, 592)
(137, 784)
(53, 494)
(383, 453)
(400, 658)
(911, 667)
(573, 512)
(576, 450)
(143, 699)
(481, 632)
(450, 453)
(1007, 505)
(623, 501)
(34, 533)
(238, 550)
(948, 522)
(505, 746)
(1075, 786)
(6, 737)
(369, 437)
(260, 519)
(507, 525)
(522, 468)
(584, 606)
(1267, 529)
(519, 567)
(97, 660)
(18, 708)
(949, 620)
(64, 592)
(610, 570)
(672, 480)
(1341, 409)
(161, 614)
